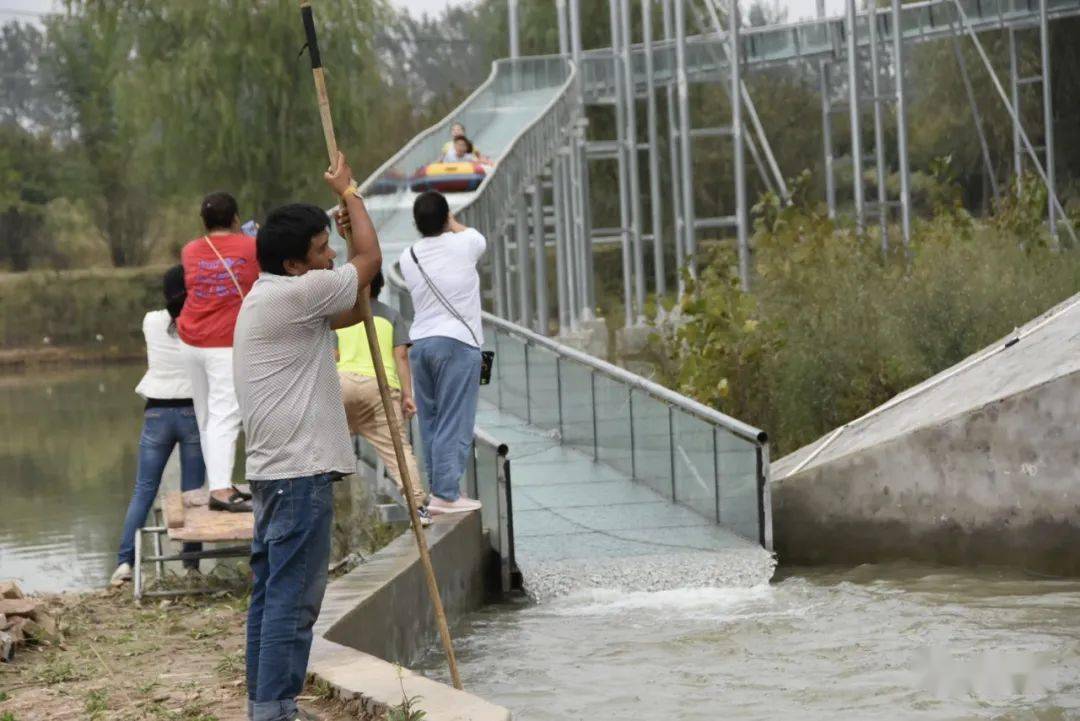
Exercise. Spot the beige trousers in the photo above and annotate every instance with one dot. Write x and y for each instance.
(364, 411)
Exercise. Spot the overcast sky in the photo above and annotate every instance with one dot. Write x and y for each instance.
(15, 8)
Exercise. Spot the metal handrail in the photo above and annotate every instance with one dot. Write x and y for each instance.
(631, 380)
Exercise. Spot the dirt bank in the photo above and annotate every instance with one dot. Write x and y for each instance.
(166, 660)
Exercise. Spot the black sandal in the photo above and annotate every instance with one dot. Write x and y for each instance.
(244, 495)
(235, 504)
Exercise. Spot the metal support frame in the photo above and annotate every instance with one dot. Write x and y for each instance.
(735, 60)
(879, 132)
(656, 218)
(976, 116)
(825, 90)
(622, 160)
(853, 102)
(1013, 110)
(561, 281)
(1014, 86)
(539, 256)
(160, 558)
(512, 22)
(572, 289)
(1048, 116)
(564, 32)
(901, 123)
(499, 275)
(524, 277)
(632, 168)
(685, 169)
(674, 156)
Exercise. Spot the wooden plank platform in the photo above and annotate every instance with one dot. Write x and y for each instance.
(199, 523)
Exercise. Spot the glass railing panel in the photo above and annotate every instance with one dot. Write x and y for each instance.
(613, 424)
(576, 403)
(512, 391)
(543, 388)
(737, 477)
(695, 463)
(652, 443)
(487, 483)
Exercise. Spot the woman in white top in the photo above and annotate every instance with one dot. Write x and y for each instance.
(168, 421)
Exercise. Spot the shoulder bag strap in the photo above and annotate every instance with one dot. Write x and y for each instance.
(441, 298)
(226, 265)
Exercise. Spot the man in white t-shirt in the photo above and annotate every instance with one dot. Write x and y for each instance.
(440, 271)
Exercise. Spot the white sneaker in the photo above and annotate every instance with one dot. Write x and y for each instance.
(121, 575)
(425, 517)
(437, 506)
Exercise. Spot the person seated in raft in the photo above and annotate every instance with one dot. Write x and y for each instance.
(457, 130)
(461, 152)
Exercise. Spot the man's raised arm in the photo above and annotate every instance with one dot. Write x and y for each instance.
(363, 241)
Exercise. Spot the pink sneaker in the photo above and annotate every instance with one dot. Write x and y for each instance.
(438, 506)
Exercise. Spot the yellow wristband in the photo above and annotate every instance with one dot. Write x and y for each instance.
(351, 190)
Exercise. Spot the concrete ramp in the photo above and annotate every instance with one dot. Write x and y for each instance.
(977, 465)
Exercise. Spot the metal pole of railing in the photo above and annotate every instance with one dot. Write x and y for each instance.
(673, 152)
(634, 155)
(716, 473)
(595, 440)
(1048, 117)
(825, 88)
(853, 100)
(901, 123)
(524, 273)
(741, 220)
(622, 161)
(540, 257)
(528, 384)
(879, 130)
(633, 441)
(686, 181)
(671, 448)
(558, 394)
(659, 281)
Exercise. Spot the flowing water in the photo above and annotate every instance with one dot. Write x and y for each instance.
(875, 642)
(68, 444)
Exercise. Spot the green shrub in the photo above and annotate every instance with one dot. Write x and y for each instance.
(834, 328)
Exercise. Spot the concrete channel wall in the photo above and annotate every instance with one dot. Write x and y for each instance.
(979, 465)
(377, 619)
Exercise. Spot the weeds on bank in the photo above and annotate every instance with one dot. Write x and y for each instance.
(406, 710)
(7, 716)
(97, 703)
(57, 670)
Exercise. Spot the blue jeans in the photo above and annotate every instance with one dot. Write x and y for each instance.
(289, 558)
(446, 384)
(163, 428)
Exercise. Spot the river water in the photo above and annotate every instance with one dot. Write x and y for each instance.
(68, 444)
(875, 642)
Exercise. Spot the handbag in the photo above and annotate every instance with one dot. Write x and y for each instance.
(487, 357)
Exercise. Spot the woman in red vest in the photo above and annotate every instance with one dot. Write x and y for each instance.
(219, 269)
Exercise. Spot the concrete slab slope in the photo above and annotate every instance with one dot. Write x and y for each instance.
(978, 464)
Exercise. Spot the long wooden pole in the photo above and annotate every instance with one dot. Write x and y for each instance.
(376, 358)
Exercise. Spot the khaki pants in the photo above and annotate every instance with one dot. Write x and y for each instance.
(364, 411)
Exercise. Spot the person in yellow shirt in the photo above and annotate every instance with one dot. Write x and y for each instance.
(360, 391)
